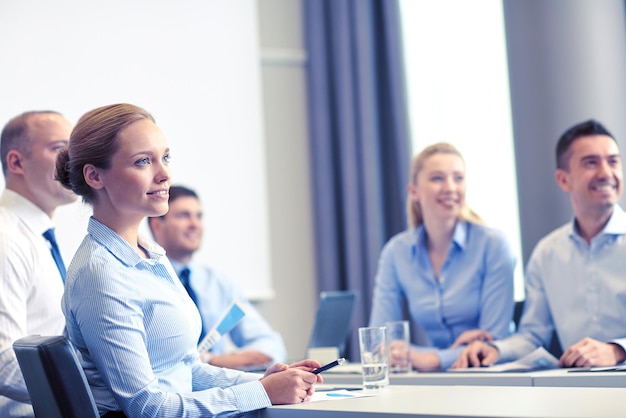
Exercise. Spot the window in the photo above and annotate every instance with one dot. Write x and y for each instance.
(458, 92)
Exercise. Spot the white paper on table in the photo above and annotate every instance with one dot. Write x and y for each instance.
(538, 359)
(338, 394)
(617, 368)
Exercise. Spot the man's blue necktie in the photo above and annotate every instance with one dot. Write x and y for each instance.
(184, 279)
(54, 250)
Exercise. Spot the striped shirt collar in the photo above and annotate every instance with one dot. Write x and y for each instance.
(120, 248)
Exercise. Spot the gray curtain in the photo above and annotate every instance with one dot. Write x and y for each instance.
(360, 145)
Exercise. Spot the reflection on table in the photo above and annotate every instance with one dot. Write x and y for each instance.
(463, 401)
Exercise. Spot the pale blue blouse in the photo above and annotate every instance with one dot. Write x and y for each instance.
(473, 291)
(136, 330)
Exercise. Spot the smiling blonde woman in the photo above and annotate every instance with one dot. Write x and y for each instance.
(453, 274)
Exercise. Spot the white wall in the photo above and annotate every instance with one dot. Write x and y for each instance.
(458, 90)
(194, 65)
(283, 72)
(227, 113)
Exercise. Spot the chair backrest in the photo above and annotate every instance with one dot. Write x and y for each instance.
(54, 377)
(554, 347)
(333, 320)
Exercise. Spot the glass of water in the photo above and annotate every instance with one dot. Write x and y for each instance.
(373, 345)
(398, 340)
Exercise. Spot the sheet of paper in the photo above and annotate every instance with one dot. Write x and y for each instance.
(538, 359)
(231, 318)
(338, 394)
(618, 368)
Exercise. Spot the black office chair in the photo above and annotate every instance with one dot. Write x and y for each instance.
(554, 347)
(54, 377)
(517, 312)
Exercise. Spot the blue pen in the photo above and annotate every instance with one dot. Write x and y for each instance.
(328, 366)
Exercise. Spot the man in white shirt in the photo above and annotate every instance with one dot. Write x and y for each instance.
(31, 279)
(179, 232)
(575, 281)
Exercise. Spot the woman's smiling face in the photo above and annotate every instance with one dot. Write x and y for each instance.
(138, 180)
(440, 186)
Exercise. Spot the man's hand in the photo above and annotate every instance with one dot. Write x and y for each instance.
(241, 359)
(477, 354)
(470, 336)
(589, 352)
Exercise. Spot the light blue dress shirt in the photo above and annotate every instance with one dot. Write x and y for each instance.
(474, 289)
(215, 293)
(136, 330)
(577, 289)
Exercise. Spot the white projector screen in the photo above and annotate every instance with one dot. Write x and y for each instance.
(194, 64)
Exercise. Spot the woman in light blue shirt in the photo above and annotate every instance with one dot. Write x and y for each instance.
(126, 312)
(452, 274)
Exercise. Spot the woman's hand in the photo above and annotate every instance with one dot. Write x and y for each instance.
(292, 383)
(399, 353)
(425, 361)
(470, 336)
(306, 365)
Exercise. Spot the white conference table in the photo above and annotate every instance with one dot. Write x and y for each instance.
(441, 378)
(554, 378)
(464, 401)
(569, 378)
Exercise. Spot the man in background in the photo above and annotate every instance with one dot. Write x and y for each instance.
(575, 280)
(179, 232)
(31, 270)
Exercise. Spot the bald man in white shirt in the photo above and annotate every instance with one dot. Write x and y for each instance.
(31, 279)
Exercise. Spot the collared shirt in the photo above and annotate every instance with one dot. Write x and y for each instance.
(575, 288)
(474, 289)
(136, 330)
(215, 293)
(30, 292)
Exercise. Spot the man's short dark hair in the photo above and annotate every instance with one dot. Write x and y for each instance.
(588, 128)
(181, 191)
(175, 193)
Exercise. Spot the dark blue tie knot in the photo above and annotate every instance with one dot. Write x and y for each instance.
(54, 250)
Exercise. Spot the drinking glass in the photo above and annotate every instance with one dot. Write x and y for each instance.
(398, 340)
(373, 345)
